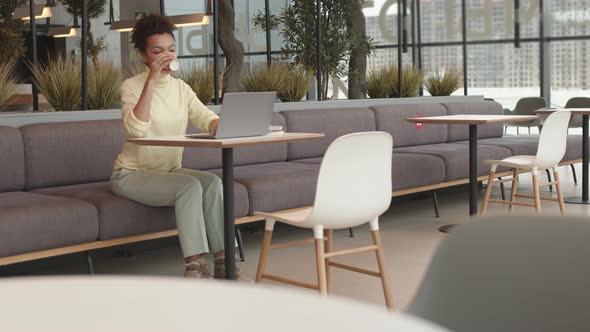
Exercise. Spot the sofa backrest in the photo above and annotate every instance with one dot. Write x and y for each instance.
(66, 153)
(12, 160)
(461, 132)
(206, 159)
(392, 119)
(332, 122)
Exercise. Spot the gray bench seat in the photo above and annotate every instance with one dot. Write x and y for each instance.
(456, 157)
(120, 217)
(32, 222)
(573, 149)
(278, 186)
(408, 170)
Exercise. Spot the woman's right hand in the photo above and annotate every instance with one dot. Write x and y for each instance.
(161, 65)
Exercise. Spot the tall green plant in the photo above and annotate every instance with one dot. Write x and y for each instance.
(443, 82)
(201, 79)
(59, 81)
(12, 40)
(95, 10)
(104, 84)
(299, 36)
(7, 82)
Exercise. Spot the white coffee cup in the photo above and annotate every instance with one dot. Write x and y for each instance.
(174, 65)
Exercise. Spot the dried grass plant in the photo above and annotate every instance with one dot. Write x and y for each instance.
(8, 82)
(201, 79)
(59, 81)
(443, 82)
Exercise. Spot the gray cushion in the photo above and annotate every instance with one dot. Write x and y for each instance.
(392, 119)
(573, 149)
(12, 160)
(332, 122)
(59, 154)
(317, 160)
(32, 222)
(461, 132)
(278, 186)
(206, 159)
(515, 145)
(408, 170)
(456, 157)
(120, 217)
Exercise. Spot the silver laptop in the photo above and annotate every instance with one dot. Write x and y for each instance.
(243, 114)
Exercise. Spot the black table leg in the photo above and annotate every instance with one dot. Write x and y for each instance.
(473, 170)
(472, 176)
(228, 213)
(584, 198)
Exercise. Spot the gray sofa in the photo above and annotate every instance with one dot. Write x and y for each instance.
(54, 189)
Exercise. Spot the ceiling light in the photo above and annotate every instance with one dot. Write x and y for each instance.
(40, 11)
(189, 20)
(62, 32)
(123, 26)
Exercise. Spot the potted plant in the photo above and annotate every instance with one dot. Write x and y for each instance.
(104, 86)
(59, 81)
(339, 37)
(384, 82)
(291, 82)
(7, 82)
(443, 82)
(201, 79)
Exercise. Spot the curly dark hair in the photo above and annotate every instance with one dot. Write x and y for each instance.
(152, 24)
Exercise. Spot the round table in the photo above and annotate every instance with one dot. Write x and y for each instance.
(166, 304)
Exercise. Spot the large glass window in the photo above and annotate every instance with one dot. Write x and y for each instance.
(503, 72)
(569, 18)
(440, 20)
(570, 71)
(491, 20)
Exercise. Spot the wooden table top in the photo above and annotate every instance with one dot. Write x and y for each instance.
(183, 141)
(472, 119)
(581, 111)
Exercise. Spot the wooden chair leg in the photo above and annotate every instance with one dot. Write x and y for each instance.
(263, 255)
(514, 189)
(486, 197)
(383, 269)
(537, 195)
(559, 193)
(320, 256)
(329, 248)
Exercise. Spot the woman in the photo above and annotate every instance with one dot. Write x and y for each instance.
(155, 104)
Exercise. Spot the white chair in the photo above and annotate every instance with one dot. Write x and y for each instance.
(550, 151)
(354, 188)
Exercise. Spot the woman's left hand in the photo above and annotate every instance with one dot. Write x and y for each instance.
(213, 126)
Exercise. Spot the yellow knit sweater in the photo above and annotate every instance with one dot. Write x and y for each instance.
(173, 105)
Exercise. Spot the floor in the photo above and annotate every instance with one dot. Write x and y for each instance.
(409, 231)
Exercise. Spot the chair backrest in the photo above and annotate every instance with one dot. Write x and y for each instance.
(577, 102)
(528, 105)
(354, 183)
(553, 139)
(511, 274)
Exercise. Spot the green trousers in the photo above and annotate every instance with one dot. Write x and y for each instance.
(196, 196)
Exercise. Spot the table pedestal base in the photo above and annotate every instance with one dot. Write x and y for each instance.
(446, 228)
(576, 200)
